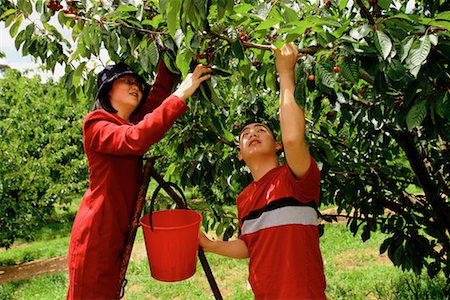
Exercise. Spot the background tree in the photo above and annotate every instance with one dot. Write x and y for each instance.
(373, 77)
(42, 164)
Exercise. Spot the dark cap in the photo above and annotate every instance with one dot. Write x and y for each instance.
(104, 82)
(111, 73)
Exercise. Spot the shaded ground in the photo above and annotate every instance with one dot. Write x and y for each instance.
(52, 265)
(31, 269)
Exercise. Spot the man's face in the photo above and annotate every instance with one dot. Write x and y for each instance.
(257, 138)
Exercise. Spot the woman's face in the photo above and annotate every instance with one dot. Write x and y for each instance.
(126, 93)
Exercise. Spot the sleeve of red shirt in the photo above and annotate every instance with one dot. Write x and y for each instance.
(161, 89)
(105, 134)
(307, 187)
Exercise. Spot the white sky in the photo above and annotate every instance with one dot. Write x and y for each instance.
(15, 60)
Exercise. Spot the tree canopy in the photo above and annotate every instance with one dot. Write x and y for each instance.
(373, 77)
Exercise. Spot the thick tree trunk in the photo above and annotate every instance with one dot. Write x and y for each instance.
(433, 193)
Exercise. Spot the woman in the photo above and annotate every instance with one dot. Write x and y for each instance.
(127, 119)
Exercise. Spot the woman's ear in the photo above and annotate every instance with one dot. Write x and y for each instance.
(278, 145)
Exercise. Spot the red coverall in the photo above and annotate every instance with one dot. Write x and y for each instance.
(114, 149)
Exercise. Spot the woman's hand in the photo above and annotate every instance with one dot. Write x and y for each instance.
(192, 82)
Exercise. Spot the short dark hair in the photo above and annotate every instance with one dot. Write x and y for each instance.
(271, 124)
(255, 122)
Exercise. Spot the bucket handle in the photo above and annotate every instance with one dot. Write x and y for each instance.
(155, 193)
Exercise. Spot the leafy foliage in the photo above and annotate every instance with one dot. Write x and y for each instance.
(42, 164)
(378, 103)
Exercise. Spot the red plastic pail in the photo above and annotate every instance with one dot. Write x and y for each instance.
(172, 245)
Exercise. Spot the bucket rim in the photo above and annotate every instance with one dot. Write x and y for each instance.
(172, 227)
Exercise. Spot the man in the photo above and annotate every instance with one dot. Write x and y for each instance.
(277, 211)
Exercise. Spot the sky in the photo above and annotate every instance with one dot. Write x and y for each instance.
(15, 60)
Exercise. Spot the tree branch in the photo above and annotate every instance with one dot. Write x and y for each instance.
(440, 207)
(365, 12)
(246, 44)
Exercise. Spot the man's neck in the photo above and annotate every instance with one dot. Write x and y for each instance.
(259, 167)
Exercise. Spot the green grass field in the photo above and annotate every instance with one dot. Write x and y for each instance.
(354, 270)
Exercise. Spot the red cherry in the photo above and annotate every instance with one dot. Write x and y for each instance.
(361, 91)
(311, 77)
(373, 2)
(336, 69)
(257, 64)
(328, 3)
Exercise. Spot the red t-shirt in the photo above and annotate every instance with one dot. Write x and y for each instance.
(278, 221)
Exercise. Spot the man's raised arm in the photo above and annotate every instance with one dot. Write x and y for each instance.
(292, 116)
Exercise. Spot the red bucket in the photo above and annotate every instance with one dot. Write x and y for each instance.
(172, 245)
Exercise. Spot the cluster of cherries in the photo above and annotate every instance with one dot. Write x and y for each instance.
(55, 5)
(209, 52)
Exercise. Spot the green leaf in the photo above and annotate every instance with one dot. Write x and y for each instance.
(243, 9)
(126, 8)
(20, 38)
(416, 115)
(443, 106)
(153, 53)
(144, 57)
(271, 78)
(443, 16)
(173, 16)
(268, 24)
(172, 167)
(184, 57)
(25, 6)
(7, 13)
(383, 43)
(360, 32)
(179, 37)
(300, 93)
(77, 75)
(237, 49)
(342, 4)
(170, 64)
(405, 46)
(366, 234)
(349, 69)
(325, 77)
(384, 4)
(15, 27)
(216, 71)
(297, 27)
(213, 96)
(395, 70)
(220, 9)
(418, 55)
(289, 15)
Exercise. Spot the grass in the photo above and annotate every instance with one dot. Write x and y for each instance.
(354, 270)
